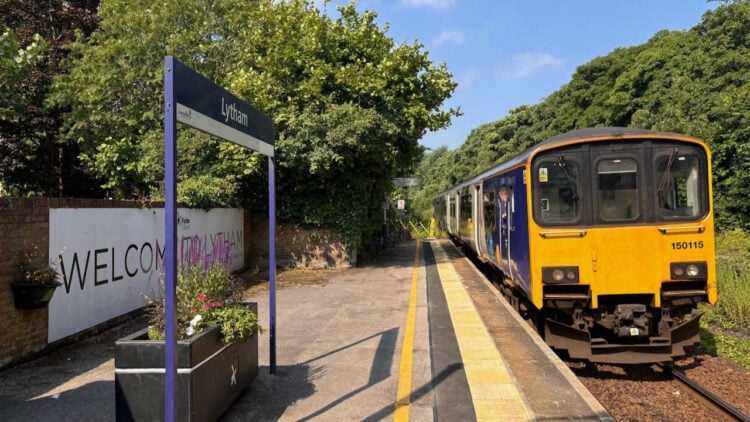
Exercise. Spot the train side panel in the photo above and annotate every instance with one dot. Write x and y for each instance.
(520, 259)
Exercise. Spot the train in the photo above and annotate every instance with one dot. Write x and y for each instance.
(602, 238)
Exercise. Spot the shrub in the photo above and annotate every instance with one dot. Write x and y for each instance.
(206, 297)
(32, 268)
(733, 274)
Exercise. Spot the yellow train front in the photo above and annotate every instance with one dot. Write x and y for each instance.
(604, 236)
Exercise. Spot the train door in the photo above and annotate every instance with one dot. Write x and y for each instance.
(489, 238)
(477, 220)
(505, 203)
(446, 218)
(452, 216)
(512, 268)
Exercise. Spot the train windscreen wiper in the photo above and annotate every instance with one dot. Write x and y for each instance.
(664, 182)
(571, 181)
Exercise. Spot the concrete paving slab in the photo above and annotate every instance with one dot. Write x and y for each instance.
(348, 368)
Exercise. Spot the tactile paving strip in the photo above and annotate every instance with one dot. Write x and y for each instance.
(494, 393)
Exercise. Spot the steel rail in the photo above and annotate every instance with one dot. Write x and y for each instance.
(714, 401)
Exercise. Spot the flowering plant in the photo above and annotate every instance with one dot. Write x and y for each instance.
(33, 269)
(206, 296)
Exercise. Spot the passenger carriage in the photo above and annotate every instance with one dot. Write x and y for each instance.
(605, 236)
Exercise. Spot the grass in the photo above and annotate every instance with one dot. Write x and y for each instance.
(726, 346)
(725, 328)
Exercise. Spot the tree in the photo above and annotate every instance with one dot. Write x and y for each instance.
(32, 158)
(694, 82)
(309, 72)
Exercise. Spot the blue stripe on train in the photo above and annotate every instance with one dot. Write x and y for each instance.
(520, 266)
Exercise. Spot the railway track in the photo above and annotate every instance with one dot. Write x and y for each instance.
(704, 395)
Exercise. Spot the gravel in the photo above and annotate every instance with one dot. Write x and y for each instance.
(638, 393)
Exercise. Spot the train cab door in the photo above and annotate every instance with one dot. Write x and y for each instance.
(505, 208)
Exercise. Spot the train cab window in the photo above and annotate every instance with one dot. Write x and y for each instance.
(557, 186)
(617, 183)
(679, 186)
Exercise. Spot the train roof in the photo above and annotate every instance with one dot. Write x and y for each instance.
(596, 132)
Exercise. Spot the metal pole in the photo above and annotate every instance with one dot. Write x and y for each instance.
(272, 261)
(170, 239)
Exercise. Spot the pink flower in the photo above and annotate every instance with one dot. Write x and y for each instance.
(201, 297)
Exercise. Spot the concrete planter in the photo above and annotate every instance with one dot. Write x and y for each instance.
(32, 295)
(210, 375)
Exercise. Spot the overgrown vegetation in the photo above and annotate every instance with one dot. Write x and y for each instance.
(730, 347)
(694, 82)
(726, 326)
(34, 159)
(733, 273)
(348, 102)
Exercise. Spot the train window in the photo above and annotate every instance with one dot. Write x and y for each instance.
(617, 181)
(556, 191)
(489, 219)
(678, 186)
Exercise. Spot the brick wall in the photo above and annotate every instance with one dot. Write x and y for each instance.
(295, 246)
(24, 224)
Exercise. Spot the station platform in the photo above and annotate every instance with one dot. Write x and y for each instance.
(419, 334)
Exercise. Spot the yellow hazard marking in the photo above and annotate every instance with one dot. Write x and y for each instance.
(407, 349)
(494, 394)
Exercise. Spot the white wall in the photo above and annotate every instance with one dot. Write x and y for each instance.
(112, 258)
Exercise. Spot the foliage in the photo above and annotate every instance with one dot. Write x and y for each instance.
(732, 309)
(206, 191)
(733, 348)
(15, 63)
(33, 268)
(349, 104)
(33, 160)
(238, 323)
(694, 82)
(206, 296)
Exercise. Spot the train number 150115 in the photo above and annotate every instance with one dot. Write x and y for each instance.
(688, 245)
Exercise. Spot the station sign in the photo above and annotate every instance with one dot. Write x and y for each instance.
(405, 181)
(210, 108)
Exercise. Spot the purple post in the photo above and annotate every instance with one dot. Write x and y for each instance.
(272, 261)
(170, 239)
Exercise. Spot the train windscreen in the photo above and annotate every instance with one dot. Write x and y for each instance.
(620, 182)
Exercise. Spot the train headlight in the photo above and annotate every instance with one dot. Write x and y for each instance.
(688, 270)
(556, 275)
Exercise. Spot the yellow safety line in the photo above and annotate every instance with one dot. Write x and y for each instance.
(494, 394)
(407, 348)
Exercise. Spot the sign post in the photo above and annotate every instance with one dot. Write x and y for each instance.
(193, 100)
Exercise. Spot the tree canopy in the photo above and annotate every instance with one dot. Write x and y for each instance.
(33, 159)
(349, 104)
(694, 82)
